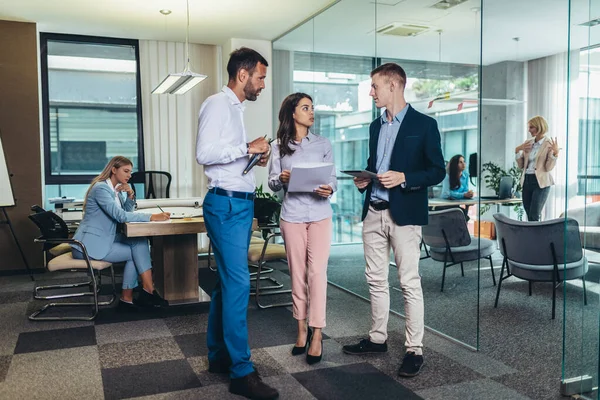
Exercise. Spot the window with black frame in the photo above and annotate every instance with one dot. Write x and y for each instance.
(91, 108)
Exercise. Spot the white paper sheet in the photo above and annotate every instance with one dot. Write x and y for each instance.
(307, 177)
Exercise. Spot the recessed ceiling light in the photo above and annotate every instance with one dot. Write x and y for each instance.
(164, 11)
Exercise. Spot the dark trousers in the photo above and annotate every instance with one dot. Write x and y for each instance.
(534, 197)
(229, 226)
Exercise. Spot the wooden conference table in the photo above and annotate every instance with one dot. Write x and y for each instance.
(174, 256)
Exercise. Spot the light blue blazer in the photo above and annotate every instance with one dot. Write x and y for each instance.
(98, 229)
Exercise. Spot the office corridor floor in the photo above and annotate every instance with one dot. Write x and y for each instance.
(162, 355)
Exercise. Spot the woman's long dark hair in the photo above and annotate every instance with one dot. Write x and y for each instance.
(286, 133)
(453, 172)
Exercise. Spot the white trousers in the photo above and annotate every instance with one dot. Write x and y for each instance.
(379, 233)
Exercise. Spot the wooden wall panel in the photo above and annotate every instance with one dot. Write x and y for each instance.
(21, 137)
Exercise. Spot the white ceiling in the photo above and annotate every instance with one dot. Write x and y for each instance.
(211, 21)
(542, 27)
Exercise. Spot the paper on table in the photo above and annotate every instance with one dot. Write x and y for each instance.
(307, 177)
(361, 174)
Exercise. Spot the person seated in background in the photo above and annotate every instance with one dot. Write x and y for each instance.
(109, 201)
(456, 183)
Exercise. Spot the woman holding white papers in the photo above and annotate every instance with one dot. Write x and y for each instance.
(110, 201)
(305, 219)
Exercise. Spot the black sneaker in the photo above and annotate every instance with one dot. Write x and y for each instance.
(365, 346)
(146, 299)
(411, 365)
(252, 387)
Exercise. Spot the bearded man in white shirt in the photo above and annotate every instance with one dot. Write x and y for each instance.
(223, 149)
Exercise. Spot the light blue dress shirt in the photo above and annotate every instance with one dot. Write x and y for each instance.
(457, 193)
(221, 142)
(387, 138)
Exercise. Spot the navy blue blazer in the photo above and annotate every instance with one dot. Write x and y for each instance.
(417, 153)
(98, 229)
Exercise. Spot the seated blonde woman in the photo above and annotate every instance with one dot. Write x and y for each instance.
(108, 202)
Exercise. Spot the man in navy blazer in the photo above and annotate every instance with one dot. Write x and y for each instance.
(405, 153)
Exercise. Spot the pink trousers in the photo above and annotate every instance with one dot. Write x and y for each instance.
(307, 246)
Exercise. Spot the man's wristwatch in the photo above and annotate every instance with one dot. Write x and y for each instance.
(247, 148)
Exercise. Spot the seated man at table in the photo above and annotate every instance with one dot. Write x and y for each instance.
(456, 184)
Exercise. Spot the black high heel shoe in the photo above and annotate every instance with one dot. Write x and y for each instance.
(297, 350)
(314, 359)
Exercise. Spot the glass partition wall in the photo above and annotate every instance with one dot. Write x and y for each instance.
(482, 69)
(580, 358)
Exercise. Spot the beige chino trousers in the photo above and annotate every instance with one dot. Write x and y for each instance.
(379, 233)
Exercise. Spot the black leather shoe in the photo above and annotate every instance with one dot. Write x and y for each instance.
(314, 359)
(365, 346)
(297, 350)
(252, 387)
(411, 365)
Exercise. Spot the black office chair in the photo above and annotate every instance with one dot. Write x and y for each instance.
(156, 183)
(54, 231)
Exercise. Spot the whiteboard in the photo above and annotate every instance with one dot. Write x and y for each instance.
(6, 196)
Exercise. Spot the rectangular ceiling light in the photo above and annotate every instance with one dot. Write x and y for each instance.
(178, 83)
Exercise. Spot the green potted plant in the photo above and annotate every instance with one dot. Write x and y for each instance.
(491, 174)
(267, 207)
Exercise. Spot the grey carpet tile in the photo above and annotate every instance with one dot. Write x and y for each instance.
(220, 391)
(4, 364)
(200, 367)
(263, 362)
(29, 342)
(472, 390)
(288, 387)
(271, 327)
(348, 383)
(37, 326)
(69, 374)
(477, 361)
(193, 345)
(332, 357)
(15, 297)
(131, 331)
(148, 379)
(187, 324)
(111, 315)
(115, 355)
(12, 319)
(534, 384)
(438, 370)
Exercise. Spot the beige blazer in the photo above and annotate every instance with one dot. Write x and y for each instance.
(544, 163)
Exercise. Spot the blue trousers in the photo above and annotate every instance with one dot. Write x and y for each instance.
(229, 226)
(135, 252)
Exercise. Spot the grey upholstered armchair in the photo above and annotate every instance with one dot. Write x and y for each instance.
(588, 218)
(449, 241)
(548, 251)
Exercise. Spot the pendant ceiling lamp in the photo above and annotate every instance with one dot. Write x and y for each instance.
(180, 83)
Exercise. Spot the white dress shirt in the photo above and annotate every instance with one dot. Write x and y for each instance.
(221, 142)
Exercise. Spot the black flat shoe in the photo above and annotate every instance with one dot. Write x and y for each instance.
(314, 359)
(297, 350)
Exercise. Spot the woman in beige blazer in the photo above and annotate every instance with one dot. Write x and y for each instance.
(536, 157)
